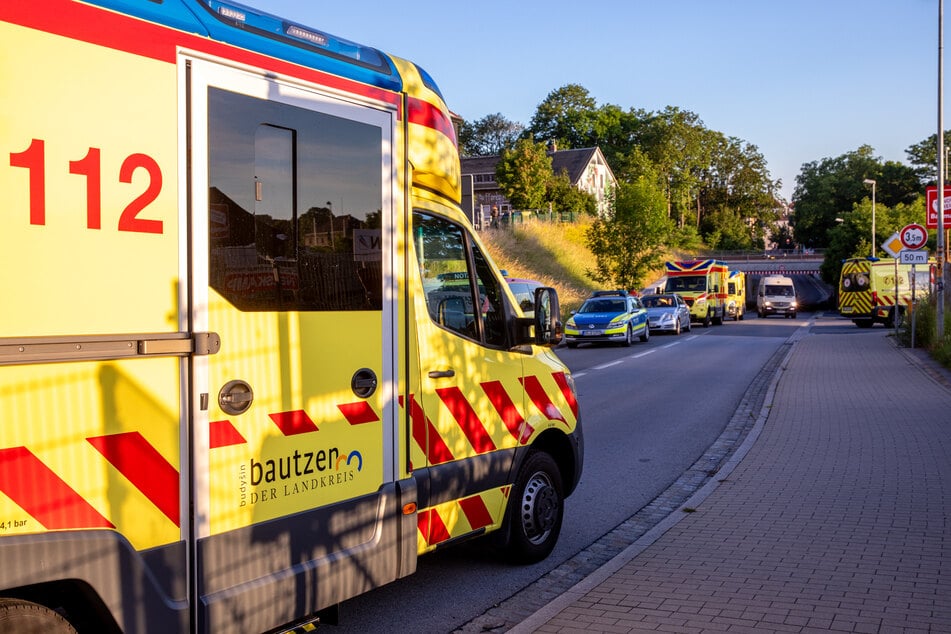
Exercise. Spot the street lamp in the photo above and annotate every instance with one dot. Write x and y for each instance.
(869, 181)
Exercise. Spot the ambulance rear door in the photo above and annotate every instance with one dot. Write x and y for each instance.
(292, 198)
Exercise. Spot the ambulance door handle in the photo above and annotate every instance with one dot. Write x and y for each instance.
(235, 397)
(442, 374)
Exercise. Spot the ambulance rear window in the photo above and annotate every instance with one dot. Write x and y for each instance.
(295, 199)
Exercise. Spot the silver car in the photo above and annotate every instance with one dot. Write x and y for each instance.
(667, 312)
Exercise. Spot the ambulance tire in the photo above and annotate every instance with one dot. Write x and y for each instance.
(23, 617)
(706, 321)
(536, 510)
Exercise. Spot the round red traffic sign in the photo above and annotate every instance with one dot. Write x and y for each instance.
(913, 236)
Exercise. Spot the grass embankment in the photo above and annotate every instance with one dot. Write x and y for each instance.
(555, 254)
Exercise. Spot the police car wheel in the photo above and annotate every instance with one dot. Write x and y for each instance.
(628, 336)
(24, 617)
(646, 334)
(537, 508)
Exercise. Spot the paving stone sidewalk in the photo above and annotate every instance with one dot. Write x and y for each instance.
(835, 515)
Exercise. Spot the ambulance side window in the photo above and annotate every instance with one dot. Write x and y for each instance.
(295, 199)
(462, 294)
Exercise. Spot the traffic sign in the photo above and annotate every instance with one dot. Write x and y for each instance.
(918, 256)
(931, 200)
(913, 236)
(892, 245)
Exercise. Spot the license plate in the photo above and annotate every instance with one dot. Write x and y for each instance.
(592, 333)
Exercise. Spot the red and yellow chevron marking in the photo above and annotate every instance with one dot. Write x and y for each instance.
(45, 496)
(132, 456)
(460, 517)
(427, 437)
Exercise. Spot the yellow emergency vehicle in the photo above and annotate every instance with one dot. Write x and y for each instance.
(703, 285)
(736, 295)
(253, 359)
(867, 289)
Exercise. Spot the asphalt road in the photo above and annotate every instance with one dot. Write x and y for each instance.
(649, 411)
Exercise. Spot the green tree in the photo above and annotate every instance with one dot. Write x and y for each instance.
(489, 135)
(736, 203)
(565, 197)
(523, 174)
(676, 142)
(924, 157)
(630, 243)
(852, 238)
(827, 189)
(566, 117)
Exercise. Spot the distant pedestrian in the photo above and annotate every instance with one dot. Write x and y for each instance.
(495, 217)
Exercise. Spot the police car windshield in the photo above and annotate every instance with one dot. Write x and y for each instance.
(603, 306)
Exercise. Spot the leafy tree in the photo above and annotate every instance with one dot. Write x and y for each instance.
(489, 135)
(566, 117)
(630, 243)
(676, 142)
(852, 237)
(565, 197)
(827, 189)
(736, 198)
(523, 174)
(924, 157)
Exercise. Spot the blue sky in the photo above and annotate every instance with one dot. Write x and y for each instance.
(802, 79)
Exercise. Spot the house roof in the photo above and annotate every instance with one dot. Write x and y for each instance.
(573, 162)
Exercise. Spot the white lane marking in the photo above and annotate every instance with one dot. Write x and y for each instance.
(643, 354)
(605, 366)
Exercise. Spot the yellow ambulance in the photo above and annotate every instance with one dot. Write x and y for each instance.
(253, 358)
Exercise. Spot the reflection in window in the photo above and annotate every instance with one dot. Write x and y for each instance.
(455, 285)
(295, 203)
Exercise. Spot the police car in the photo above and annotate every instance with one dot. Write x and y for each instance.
(608, 316)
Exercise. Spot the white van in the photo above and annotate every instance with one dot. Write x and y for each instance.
(776, 295)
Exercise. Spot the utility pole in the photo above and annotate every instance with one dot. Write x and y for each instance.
(942, 256)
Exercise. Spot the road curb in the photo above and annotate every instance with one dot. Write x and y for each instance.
(526, 610)
(548, 612)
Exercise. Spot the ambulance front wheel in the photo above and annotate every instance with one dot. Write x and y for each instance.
(537, 508)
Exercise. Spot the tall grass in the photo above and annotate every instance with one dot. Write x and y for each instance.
(555, 254)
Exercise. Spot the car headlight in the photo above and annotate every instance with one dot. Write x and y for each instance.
(701, 302)
(665, 317)
(767, 304)
(617, 321)
(792, 304)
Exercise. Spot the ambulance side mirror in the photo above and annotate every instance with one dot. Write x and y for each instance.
(548, 326)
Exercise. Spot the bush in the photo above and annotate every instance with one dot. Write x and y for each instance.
(926, 319)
